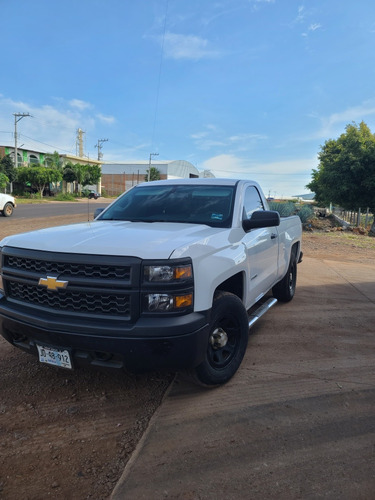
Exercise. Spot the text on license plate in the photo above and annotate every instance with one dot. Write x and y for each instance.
(56, 357)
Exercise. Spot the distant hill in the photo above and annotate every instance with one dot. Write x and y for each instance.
(309, 196)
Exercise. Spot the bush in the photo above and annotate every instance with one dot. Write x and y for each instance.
(35, 196)
(285, 208)
(305, 213)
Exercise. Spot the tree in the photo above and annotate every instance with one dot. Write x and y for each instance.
(38, 176)
(7, 167)
(69, 174)
(80, 171)
(81, 174)
(54, 161)
(154, 174)
(94, 174)
(4, 180)
(346, 172)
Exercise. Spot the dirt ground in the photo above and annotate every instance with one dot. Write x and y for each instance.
(69, 434)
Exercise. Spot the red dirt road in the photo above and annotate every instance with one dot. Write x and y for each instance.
(296, 422)
(299, 414)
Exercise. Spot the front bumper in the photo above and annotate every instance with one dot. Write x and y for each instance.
(172, 343)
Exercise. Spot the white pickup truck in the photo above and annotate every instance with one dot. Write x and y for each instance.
(171, 276)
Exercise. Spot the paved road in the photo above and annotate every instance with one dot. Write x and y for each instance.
(53, 209)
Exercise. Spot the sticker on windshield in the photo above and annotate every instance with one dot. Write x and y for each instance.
(217, 216)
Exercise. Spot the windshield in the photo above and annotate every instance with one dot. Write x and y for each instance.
(198, 204)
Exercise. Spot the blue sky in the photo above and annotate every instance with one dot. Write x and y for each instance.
(245, 88)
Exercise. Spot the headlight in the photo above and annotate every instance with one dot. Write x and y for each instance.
(167, 286)
(164, 302)
(168, 273)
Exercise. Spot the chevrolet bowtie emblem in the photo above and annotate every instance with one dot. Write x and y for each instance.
(52, 283)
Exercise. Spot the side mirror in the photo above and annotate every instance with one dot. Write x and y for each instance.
(97, 212)
(261, 218)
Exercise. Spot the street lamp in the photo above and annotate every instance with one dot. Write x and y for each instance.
(149, 164)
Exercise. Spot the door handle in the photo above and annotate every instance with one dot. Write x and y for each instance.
(273, 236)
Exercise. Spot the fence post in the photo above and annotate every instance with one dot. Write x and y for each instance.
(359, 217)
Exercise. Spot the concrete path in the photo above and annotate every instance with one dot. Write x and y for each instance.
(298, 419)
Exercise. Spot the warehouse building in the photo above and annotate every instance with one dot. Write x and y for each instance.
(119, 177)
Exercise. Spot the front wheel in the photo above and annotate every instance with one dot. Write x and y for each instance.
(229, 334)
(7, 210)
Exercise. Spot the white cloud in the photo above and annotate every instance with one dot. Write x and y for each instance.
(50, 127)
(246, 137)
(81, 105)
(286, 178)
(214, 137)
(106, 119)
(300, 15)
(199, 135)
(225, 165)
(334, 124)
(314, 27)
(193, 47)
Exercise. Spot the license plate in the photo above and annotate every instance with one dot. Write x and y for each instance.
(56, 357)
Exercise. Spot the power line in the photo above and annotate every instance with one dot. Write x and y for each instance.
(159, 77)
(44, 143)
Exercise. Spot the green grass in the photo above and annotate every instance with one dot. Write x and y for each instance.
(23, 201)
(60, 197)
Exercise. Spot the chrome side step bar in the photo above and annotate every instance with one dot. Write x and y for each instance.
(258, 313)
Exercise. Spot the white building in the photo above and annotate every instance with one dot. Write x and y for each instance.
(119, 177)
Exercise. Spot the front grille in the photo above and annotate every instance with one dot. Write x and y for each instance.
(98, 286)
(66, 268)
(64, 300)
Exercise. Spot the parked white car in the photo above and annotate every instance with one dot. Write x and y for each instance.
(7, 204)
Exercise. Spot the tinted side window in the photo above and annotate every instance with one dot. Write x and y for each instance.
(253, 202)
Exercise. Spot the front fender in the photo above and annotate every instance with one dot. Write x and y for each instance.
(210, 271)
(215, 258)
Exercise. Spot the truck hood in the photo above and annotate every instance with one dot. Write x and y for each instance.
(138, 239)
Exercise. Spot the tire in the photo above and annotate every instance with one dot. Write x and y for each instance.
(8, 209)
(285, 289)
(227, 343)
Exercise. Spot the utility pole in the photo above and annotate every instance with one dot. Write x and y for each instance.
(17, 118)
(99, 146)
(149, 164)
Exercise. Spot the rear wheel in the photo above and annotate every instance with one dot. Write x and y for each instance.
(285, 289)
(7, 210)
(229, 333)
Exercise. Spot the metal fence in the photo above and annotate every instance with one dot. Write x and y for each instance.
(354, 217)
